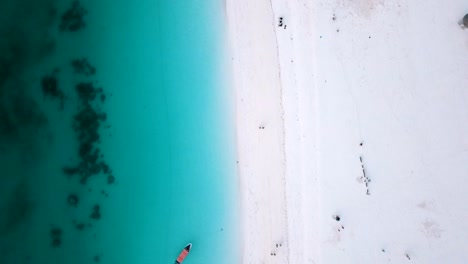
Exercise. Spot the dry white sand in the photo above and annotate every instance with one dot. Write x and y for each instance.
(391, 75)
(275, 147)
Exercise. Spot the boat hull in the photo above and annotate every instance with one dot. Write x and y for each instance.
(183, 254)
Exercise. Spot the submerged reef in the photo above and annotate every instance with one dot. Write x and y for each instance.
(51, 89)
(86, 124)
(82, 66)
(96, 212)
(80, 226)
(56, 237)
(26, 40)
(18, 209)
(110, 179)
(28, 126)
(21, 118)
(73, 19)
(73, 200)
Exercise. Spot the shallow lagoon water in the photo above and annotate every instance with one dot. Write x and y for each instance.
(167, 138)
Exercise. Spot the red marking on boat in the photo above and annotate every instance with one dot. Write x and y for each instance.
(183, 254)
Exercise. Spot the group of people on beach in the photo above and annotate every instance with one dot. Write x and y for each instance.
(277, 246)
(280, 23)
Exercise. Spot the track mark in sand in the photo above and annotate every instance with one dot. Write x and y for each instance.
(431, 229)
(429, 206)
(283, 128)
(364, 178)
(362, 8)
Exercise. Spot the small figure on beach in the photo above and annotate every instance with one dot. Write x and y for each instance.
(464, 22)
(336, 217)
(280, 22)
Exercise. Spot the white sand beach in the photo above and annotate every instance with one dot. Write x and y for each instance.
(352, 130)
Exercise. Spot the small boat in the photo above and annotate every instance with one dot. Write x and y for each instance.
(183, 254)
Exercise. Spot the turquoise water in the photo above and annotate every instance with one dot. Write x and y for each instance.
(167, 138)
